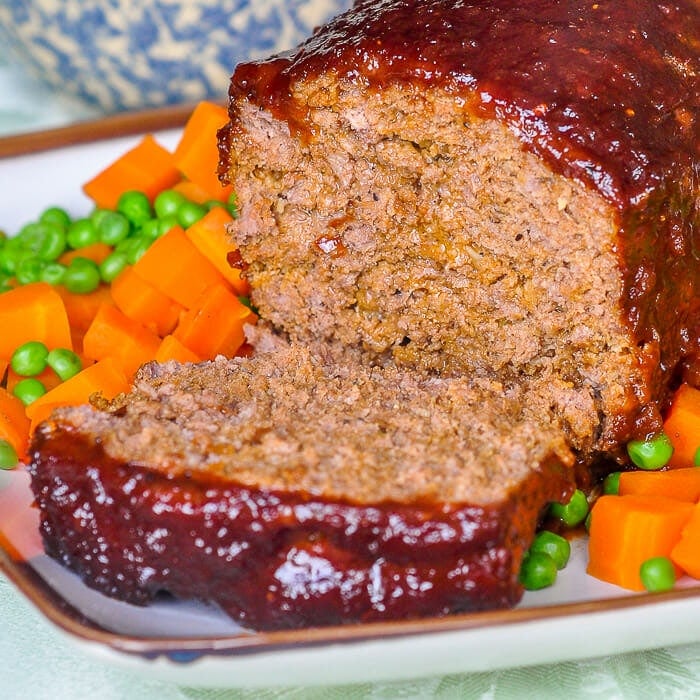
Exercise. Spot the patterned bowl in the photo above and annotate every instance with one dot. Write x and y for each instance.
(127, 54)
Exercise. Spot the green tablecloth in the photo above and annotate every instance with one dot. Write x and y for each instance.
(36, 662)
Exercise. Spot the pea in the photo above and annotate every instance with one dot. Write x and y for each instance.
(167, 203)
(166, 223)
(29, 359)
(658, 574)
(611, 484)
(573, 512)
(538, 570)
(135, 206)
(53, 273)
(696, 459)
(44, 240)
(82, 276)
(139, 245)
(213, 203)
(9, 256)
(29, 390)
(112, 266)
(56, 215)
(8, 455)
(5, 282)
(650, 454)
(150, 228)
(554, 545)
(64, 362)
(81, 233)
(190, 213)
(29, 269)
(97, 216)
(113, 227)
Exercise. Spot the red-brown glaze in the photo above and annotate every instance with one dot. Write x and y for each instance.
(605, 91)
(278, 560)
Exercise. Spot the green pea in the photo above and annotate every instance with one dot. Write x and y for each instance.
(135, 206)
(167, 203)
(213, 204)
(56, 215)
(658, 574)
(53, 273)
(44, 240)
(8, 455)
(650, 454)
(554, 545)
(29, 390)
(112, 266)
(9, 256)
(573, 512)
(166, 223)
(538, 570)
(97, 215)
(64, 362)
(696, 459)
(150, 228)
(29, 269)
(81, 233)
(113, 227)
(29, 359)
(611, 484)
(82, 276)
(139, 245)
(190, 213)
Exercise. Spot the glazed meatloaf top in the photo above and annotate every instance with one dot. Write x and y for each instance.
(606, 92)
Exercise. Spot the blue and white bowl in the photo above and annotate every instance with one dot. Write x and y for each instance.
(126, 54)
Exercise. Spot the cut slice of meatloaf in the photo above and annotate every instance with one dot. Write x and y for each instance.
(293, 492)
(500, 189)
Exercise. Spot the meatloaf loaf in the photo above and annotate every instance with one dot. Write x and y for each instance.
(472, 231)
(500, 188)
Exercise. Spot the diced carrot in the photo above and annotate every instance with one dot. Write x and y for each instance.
(682, 426)
(210, 236)
(14, 424)
(114, 335)
(172, 349)
(97, 252)
(105, 377)
(192, 191)
(215, 325)
(625, 531)
(174, 266)
(81, 308)
(33, 312)
(142, 302)
(197, 154)
(147, 167)
(681, 484)
(686, 552)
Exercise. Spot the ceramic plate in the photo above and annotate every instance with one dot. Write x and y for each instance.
(189, 643)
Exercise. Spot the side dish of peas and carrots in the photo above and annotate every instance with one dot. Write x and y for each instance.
(149, 274)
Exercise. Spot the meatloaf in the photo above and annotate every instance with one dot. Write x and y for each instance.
(471, 229)
(500, 188)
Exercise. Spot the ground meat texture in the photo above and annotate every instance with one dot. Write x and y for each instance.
(293, 493)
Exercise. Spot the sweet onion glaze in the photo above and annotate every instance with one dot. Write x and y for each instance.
(606, 92)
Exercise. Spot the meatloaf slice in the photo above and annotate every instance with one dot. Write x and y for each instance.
(502, 189)
(294, 492)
